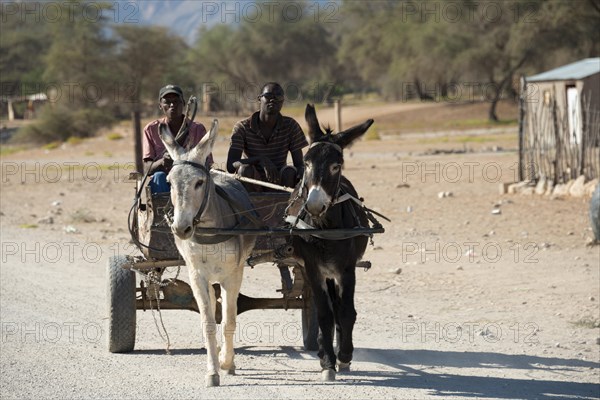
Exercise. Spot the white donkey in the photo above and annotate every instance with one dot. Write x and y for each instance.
(197, 203)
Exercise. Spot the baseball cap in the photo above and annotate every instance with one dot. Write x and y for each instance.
(170, 89)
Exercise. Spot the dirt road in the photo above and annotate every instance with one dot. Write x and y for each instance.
(460, 303)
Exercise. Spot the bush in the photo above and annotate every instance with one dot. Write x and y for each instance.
(114, 136)
(59, 124)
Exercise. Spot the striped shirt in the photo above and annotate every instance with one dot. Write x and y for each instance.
(287, 137)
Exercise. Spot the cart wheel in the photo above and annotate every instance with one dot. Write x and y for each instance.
(310, 322)
(120, 296)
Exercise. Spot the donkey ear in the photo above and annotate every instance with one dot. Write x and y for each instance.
(205, 145)
(173, 148)
(347, 137)
(314, 130)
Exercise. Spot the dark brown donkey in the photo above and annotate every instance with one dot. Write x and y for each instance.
(325, 199)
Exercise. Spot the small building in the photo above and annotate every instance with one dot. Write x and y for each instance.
(32, 103)
(559, 134)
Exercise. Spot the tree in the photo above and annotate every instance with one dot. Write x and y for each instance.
(150, 57)
(23, 44)
(297, 53)
(394, 45)
(80, 57)
(522, 35)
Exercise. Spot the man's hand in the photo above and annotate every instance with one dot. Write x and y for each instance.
(167, 161)
(270, 169)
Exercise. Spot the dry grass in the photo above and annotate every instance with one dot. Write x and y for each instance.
(449, 117)
(395, 119)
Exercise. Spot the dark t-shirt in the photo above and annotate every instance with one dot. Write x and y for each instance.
(287, 137)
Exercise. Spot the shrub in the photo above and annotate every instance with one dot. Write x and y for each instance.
(74, 140)
(114, 136)
(60, 123)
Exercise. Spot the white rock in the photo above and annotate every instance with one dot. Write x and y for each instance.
(540, 188)
(528, 190)
(590, 187)
(577, 189)
(517, 187)
(503, 187)
(562, 189)
(496, 211)
(70, 229)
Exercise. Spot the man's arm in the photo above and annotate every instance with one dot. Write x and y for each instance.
(163, 164)
(234, 159)
(233, 156)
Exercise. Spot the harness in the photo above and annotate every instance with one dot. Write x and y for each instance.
(340, 196)
(244, 217)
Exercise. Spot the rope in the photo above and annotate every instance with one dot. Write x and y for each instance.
(167, 340)
(151, 279)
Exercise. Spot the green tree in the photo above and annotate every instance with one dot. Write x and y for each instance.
(298, 53)
(77, 75)
(24, 40)
(148, 58)
(80, 58)
(395, 46)
(524, 35)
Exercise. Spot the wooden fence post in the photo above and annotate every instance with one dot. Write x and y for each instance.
(137, 132)
(522, 125)
(337, 106)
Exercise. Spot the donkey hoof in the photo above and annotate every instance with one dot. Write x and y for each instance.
(230, 371)
(328, 375)
(213, 380)
(344, 367)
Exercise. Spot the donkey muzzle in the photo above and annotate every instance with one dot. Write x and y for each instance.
(182, 231)
(317, 201)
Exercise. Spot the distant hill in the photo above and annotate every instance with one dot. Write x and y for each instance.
(185, 17)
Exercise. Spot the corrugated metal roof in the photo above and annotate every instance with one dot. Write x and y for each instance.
(577, 70)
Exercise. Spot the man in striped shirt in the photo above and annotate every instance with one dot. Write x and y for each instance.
(265, 139)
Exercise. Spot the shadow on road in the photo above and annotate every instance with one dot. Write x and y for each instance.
(405, 376)
(444, 384)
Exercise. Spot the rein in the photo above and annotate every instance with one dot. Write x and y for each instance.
(334, 200)
(340, 197)
(206, 192)
(238, 208)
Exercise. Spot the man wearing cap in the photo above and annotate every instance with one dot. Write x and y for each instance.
(265, 139)
(157, 161)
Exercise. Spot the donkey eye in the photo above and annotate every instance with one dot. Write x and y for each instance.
(198, 185)
(335, 168)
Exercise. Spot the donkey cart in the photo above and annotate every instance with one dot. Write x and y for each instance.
(136, 282)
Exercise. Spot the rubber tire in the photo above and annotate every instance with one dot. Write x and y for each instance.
(595, 212)
(310, 322)
(120, 297)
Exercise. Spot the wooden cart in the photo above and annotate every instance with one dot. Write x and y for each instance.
(127, 292)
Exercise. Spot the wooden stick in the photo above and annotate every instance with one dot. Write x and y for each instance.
(255, 181)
